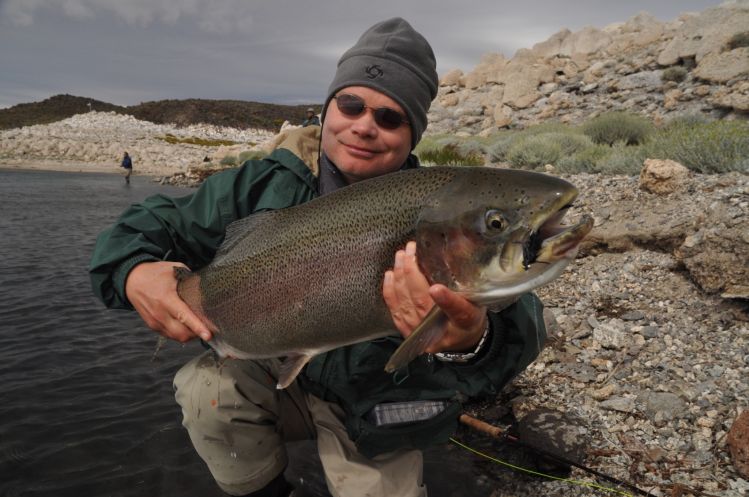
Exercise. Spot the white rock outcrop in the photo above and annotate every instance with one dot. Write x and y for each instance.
(100, 138)
(623, 67)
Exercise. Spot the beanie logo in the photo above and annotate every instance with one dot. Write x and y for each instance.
(374, 71)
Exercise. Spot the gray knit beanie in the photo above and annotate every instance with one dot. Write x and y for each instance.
(392, 58)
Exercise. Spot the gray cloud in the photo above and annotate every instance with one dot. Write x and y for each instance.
(128, 51)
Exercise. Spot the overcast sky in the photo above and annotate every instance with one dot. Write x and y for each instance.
(283, 51)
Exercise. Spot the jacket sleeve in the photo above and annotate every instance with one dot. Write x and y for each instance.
(518, 336)
(188, 229)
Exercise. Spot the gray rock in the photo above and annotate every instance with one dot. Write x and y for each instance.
(664, 406)
(633, 316)
(612, 335)
(620, 404)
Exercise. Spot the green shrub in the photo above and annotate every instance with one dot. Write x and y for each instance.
(472, 148)
(169, 138)
(687, 119)
(250, 155)
(229, 160)
(450, 151)
(614, 127)
(713, 147)
(497, 150)
(739, 40)
(450, 156)
(674, 73)
(587, 160)
(622, 159)
(533, 151)
(498, 146)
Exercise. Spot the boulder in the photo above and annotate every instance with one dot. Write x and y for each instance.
(738, 444)
(715, 255)
(663, 177)
(487, 71)
(522, 82)
(643, 79)
(723, 67)
(449, 100)
(551, 47)
(587, 41)
(737, 98)
(452, 78)
(502, 116)
(705, 33)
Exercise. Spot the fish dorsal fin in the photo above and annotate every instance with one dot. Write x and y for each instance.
(249, 231)
(427, 333)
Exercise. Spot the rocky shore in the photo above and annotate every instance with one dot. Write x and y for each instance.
(650, 361)
(95, 141)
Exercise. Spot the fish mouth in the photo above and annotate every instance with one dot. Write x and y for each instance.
(532, 256)
(553, 240)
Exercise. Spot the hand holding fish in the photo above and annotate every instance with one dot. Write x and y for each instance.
(151, 288)
(409, 297)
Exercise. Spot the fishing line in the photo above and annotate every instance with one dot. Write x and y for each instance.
(537, 473)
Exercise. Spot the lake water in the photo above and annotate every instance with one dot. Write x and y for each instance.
(85, 409)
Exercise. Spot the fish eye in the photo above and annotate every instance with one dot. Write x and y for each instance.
(495, 221)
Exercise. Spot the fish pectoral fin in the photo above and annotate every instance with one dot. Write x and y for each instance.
(290, 368)
(430, 331)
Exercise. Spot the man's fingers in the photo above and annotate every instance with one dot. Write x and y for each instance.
(178, 331)
(416, 283)
(184, 315)
(459, 310)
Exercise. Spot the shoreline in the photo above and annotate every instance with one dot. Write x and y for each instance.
(71, 167)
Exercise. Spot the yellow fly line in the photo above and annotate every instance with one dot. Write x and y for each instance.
(551, 477)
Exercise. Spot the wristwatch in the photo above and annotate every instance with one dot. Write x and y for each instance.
(465, 356)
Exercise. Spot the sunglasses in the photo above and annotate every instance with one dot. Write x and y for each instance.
(385, 117)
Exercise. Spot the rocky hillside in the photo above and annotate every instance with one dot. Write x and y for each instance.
(230, 113)
(698, 63)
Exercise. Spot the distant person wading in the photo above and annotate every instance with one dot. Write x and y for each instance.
(127, 163)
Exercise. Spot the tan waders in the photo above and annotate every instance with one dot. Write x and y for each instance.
(238, 422)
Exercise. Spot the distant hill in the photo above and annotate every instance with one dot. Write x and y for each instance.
(235, 113)
(52, 109)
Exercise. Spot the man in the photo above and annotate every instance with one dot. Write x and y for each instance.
(127, 163)
(373, 117)
(312, 119)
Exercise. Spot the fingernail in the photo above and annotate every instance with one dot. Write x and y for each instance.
(399, 258)
(205, 336)
(411, 248)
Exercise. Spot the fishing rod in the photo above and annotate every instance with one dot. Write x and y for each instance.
(499, 433)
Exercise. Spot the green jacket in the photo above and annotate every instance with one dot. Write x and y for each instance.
(190, 229)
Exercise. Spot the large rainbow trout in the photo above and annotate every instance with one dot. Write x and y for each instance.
(300, 281)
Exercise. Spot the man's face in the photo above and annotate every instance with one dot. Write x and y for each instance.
(357, 145)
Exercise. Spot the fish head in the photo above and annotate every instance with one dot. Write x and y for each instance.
(493, 234)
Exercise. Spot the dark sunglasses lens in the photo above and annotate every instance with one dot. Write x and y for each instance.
(388, 118)
(350, 105)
